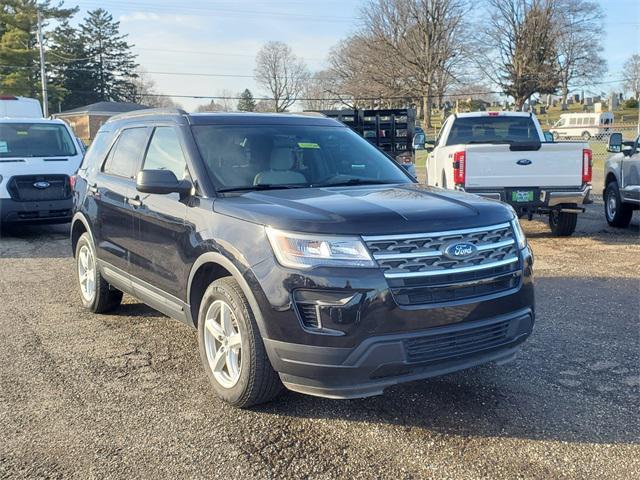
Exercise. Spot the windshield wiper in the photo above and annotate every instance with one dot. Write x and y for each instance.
(260, 186)
(355, 181)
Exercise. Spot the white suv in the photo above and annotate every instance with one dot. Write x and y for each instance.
(37, 160)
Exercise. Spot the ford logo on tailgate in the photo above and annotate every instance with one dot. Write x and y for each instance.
(524, 161)
(457, 251)
(41, 185)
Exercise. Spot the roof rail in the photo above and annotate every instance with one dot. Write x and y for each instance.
(147, 112)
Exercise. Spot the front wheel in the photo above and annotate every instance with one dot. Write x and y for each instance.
(618, 213)
(96, 294)
(231, 347)
(563, 224)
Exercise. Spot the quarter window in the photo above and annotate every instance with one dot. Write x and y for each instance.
(165, 152)
(124, 157)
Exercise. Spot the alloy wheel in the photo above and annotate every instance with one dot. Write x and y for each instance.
(87, 273)
(223, 343)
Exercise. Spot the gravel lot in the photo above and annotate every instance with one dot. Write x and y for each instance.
(124, 396)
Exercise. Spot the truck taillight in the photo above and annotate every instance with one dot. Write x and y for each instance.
(587, 172)
(459, 167)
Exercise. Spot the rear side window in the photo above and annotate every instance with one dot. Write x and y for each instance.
(165, 152)
(123, 158)
(494, 129)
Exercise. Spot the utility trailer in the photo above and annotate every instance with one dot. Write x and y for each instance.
(391, 130)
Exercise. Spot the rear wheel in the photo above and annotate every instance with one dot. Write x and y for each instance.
(231, 347)
(618, 213)
(562, 224)
(96, 294)
(586, 136)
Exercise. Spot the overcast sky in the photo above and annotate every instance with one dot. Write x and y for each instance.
(221, 38)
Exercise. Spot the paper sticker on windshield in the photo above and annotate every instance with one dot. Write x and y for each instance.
(308, 145)
(3, 147)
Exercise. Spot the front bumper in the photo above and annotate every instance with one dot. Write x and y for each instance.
(383, 361)
(545, 198)
(46, 211)
(375, 342)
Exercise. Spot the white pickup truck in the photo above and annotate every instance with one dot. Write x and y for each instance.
(504, 156)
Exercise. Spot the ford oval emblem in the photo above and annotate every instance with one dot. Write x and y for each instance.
(524, 161)
(457, 251)
(41, 185)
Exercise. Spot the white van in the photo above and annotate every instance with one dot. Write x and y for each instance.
(583, 125)
(38, 158)
(19, 107)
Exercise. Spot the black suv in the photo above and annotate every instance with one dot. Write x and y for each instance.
(303, 255)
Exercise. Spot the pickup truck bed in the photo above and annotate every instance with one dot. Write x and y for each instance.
(503, 155)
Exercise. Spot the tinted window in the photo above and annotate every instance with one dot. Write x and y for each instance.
(243, 156)
(35, 140)
(97, 150)
(495, 129)
(165, 152)
(124, 157)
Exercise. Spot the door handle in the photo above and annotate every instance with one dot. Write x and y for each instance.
(134, 202)
(93, 188)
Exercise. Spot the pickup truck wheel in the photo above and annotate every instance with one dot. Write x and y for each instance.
(96, 294)
(444, 180)
(618, 213)
(586, 136)
(231, 347)
(562, 224)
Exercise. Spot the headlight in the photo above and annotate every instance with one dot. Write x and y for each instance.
(297, 250)
(521, 239)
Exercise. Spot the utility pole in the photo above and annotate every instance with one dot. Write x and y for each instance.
(43, 72)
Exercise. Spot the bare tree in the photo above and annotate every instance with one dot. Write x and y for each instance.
(281, 73)
(226, 100)
(579, 43)
(212, 106)
(362, 76)
(317, 92)
(517, 49)
(145, 93)
(424, 36)
(631, 75)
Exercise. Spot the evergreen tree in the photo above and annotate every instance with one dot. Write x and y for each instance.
(70, 67)
(246, 102)
(19, 56)
(110, 56)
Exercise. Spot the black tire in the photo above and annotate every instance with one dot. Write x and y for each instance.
(563, 224)
(617, 213)
(258, 381)
(444, 180)
(105, 298)
(556, 136)
(586, 136)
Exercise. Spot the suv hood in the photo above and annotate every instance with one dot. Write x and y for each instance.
(365, 210)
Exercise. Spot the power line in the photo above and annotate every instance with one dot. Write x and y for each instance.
(235, 75)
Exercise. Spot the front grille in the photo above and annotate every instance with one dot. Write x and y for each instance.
(419, 272)
(22, 189)
(447, 346)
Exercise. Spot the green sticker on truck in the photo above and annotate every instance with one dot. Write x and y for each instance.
(308, 145)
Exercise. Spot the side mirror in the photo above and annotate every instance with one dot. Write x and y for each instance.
(548, 137)
(161, 182)
(419, 140)
(615, 143)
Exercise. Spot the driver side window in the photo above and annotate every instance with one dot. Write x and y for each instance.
(165, 152)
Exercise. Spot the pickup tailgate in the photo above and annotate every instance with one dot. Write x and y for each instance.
(553, 165)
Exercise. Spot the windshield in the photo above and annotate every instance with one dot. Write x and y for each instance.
(288, 156)
(495, 129)
(35, 140)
